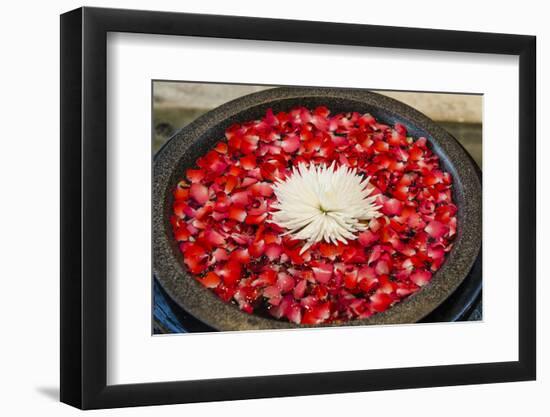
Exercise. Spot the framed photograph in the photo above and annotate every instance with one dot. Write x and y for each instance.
(259, 208)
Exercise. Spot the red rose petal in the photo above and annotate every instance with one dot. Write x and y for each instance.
(255, 219)
(221, 147)
(436, 229)
(382, 267)
(285, 282)
(290, 144)
(323, 272)
(214, 238)
(300, 289)
(199, 193)
(392, 207)
(317, 314)
(257, 248)
(241, 198)
(240, 255)
(380, 301)
(231, 183)
(248, 162)
(294, 313)
(273, 251)
(195, 257)
(367, 238)
(230, 272)
(195, 175)
(211, 280)
(249, 144)
(262, 189)
(237, 213)
(272, 291)
(330, 250)
(220, 255)
(350, 279)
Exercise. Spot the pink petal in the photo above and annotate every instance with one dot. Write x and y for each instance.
(436, 229)
(392, 207)
(323, 273)
(367, 238)
(214, 238)
(241, 198)
(199, 193)
(195, 175)
(273, 251)
(300, 289)
(382, 268)
(291, 144)
(285, 282)
(240, 255)
(380, 301)
(263, 189)
(237, 213)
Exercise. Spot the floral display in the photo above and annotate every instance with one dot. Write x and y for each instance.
(314, 217)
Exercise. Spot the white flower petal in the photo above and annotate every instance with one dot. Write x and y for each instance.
(324, 203)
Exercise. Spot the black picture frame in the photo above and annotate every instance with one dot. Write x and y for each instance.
(84, 207)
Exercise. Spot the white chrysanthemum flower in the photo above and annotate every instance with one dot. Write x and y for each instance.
(318, 203)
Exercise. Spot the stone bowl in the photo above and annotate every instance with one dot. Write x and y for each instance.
(193, 141)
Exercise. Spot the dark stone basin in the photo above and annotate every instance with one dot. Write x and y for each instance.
(182, 150)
